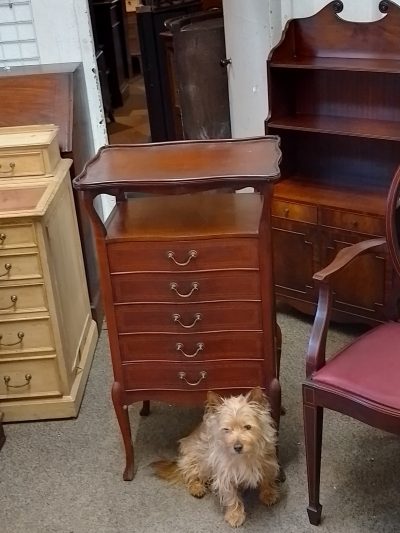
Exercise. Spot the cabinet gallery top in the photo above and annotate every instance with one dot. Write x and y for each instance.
(232, 162)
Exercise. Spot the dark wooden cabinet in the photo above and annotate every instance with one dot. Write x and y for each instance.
(333, 93)
(186, 275)
(109, 27)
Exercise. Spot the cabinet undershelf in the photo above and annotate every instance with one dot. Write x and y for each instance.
(299, 189)
(351, 127)
(340, 63)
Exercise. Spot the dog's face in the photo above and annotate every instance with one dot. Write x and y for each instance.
(240, 420)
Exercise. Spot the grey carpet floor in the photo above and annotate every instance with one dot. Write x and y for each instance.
(65, 476)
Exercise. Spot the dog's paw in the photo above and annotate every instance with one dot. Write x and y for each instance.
(269, 496)
(235, 516)
(197, 489)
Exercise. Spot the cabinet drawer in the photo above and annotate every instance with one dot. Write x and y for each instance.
(29, 379)
(30, 163)
(17, 236)
(184, 318)
(183, 255)
(353, 222)
(194, 376)
(191, 347)
(19, 337)
(292, 211)
(19, 266)
(186, 287)
(16, 299)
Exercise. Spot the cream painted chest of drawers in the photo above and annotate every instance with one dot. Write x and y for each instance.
(47, 335)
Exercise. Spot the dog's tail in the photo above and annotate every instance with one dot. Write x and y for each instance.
(167, 470)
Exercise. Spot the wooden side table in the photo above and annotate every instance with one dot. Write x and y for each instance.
(186, 275)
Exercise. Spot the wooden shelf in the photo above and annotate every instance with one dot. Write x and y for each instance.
(301, 189)
(352, 127)
(390, 66)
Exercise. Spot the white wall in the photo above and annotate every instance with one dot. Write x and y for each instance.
(252, 28)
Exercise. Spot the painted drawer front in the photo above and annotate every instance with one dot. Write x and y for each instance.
(191, 347)
(17, 236)
(194, 376)
(16, 299)
(188, 318)
(33, 378)
(29, 163)
(183, 256)
(186, 287)
(25, 336)
(19, 266)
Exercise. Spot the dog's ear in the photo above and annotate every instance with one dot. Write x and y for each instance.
(257, 395)
(213, 400)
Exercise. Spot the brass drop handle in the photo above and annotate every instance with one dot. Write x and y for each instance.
(191, 255)
(179, 348)
(3, 237)
(7, 380)
(13, 299)
(10, 170)
(182, 377)
(177, 319)
(8, 267)
(20, 336)
(174, 287)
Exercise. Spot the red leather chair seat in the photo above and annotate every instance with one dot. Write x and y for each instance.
(369, 367)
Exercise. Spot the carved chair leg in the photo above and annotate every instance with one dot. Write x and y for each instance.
(313, 422)
(121, 411)
(145, 410)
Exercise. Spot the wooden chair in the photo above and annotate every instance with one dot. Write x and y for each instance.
(362, 379)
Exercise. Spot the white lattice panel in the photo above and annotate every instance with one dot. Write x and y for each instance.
(18, 45)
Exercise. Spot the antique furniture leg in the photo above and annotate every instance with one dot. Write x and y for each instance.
(313, 422)
(145, 410)
(121, 411)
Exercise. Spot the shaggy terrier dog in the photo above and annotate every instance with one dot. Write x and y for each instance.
(234, 448)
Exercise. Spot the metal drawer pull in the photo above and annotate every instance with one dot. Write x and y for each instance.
(20, 335)
(182, 376)
(177, 318)
(10, 171)
(7, 380)
(191, 255)
(200, 348)
(8, 267)
(3, 237)
(174, 287)
(13, 299)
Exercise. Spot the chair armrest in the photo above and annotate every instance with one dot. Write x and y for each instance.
(315, 358)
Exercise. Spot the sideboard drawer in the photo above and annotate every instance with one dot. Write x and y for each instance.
(29, 379)
(293, 211)
(30, 163)
(186, 287)
(353, 222)
(183, 255)
(175, 318)
(194, 376)
(17, 236)
(19, 266)
(191, 347)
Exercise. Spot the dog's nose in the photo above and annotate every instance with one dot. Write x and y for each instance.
(238, 447)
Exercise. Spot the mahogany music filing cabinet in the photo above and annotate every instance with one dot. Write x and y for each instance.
(186, 274)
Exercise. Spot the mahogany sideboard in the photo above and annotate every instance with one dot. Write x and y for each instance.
(186, 273)
(333, 93)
